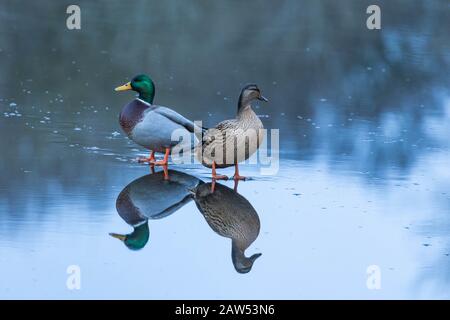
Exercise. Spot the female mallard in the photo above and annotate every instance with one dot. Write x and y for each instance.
(232, 216)
(149, 125)
(233, 141)
(150, 197)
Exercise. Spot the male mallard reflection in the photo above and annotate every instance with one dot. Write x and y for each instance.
(230, 215)
(151, 197)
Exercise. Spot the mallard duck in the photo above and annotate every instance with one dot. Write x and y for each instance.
(230, 215)
(151, 197)
(235, 140)
(149, 125)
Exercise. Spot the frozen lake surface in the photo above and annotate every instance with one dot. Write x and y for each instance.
(364, 173)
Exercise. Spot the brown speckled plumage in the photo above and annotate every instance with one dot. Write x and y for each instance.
(230, 215)
(229, 136)
(235, 140)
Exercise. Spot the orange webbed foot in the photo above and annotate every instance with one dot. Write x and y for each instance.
(145, 160)
(239, 178)
(160, 163)
(219, 177)
(150, 159)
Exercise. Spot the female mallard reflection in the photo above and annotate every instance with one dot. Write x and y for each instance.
(230, 215)
(151, 197)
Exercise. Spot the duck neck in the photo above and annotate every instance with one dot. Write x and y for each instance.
(139, 237)
(243, 104)
(245, 112)
(237, 254)
(147, 96)
(241, 263)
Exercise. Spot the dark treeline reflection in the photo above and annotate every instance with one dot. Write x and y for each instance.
(355, 98)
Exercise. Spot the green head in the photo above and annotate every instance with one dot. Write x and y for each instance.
(143, 85)
(135, 240)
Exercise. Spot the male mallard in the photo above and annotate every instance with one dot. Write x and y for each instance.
(233, 141)
(151, 197)
(230, 215)
(149, 125)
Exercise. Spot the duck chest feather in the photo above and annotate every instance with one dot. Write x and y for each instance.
(132, 114)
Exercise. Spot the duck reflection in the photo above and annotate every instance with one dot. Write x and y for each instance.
(151, 197)
(230, 215)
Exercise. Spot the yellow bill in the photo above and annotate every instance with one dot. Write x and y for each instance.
(126, 86)
(118, 236)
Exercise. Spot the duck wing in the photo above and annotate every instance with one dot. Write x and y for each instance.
(173, 208)
(179, 119)
(211, 135)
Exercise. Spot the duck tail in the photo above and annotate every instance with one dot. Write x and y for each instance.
(199, 130)
(199, 133)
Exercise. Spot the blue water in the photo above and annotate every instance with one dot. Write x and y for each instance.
(364, 149)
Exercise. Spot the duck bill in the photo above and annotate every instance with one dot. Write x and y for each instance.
(121, 237)
(125, 87)
(262, 98)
